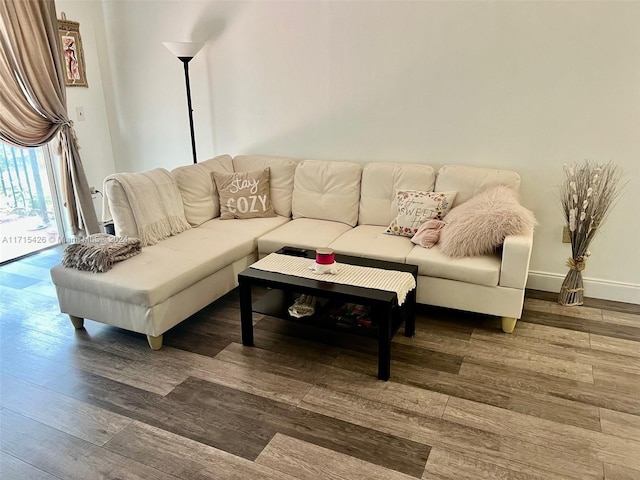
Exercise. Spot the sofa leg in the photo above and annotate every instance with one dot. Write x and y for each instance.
(78, 322)
(155, 342)
(508, 324)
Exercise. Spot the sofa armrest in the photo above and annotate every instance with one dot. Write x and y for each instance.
(516, 254)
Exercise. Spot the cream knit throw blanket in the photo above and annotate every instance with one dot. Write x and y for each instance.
(156, 204)
(98, 252)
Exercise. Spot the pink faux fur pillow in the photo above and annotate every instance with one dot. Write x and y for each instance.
(479, 225)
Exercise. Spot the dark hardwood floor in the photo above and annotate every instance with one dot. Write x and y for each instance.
(557, 399)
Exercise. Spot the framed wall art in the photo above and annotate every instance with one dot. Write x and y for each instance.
(75, 73)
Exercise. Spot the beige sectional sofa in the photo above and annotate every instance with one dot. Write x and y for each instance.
(342, 205)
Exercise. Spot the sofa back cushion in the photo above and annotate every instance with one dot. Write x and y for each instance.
(327, 191)
(380, 185)
(281, 177)
(469, 181)
(198, 191)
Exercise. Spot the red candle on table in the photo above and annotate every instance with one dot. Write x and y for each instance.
(324, 256)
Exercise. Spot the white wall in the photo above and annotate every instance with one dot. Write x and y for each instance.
(150, 124)
(525, 86)
(93, 133)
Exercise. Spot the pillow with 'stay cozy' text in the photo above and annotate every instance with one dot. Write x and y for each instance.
(244, 194)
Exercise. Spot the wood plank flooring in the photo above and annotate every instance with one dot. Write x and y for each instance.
(557, 399)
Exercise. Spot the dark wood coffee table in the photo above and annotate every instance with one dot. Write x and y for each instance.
(387, 314)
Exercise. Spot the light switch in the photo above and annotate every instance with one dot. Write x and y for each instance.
(80, 114)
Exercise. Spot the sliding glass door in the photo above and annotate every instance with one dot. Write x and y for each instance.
(30, 211)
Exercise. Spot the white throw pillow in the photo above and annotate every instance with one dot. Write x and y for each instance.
(416, 207)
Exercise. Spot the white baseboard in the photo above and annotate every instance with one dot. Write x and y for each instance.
(593, 287)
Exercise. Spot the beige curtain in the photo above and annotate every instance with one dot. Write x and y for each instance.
(33, 99)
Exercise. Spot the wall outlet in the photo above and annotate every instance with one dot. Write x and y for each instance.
(566, 235)
(92, 190)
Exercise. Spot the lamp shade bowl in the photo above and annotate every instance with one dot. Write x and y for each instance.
(183, 49)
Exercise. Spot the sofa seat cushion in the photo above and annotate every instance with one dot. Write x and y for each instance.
(250, 227)
(370, 241)
(308, 233)
(162, 270)
(479, 270)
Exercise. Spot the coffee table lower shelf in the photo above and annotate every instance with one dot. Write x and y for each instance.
(276, 303)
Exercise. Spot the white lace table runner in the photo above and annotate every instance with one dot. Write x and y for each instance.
(389, 280)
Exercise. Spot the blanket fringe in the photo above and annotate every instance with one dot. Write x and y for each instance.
(170, 225)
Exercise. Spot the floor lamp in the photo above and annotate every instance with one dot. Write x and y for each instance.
(185, 51)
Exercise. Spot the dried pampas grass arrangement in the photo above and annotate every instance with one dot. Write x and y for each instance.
(587, 195)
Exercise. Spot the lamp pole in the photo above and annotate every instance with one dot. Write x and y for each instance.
(185, 52)
(186, 61)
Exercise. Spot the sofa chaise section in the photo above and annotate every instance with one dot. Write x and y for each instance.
(157, 289)
(171, 280)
